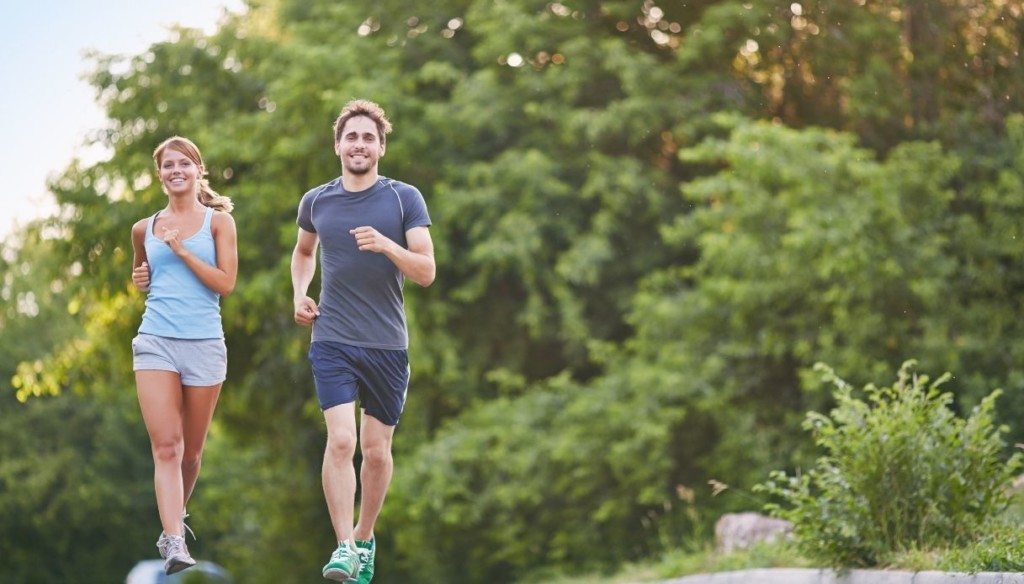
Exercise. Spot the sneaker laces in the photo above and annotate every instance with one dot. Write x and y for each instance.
(171, 546)
(364, 556)
(343, 552)
(184, 516)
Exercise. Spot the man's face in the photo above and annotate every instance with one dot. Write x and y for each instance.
(359, 147)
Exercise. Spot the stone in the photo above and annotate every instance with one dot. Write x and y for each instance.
(737, 531)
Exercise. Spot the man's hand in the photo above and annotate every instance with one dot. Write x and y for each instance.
(369, 239)
(306, 311)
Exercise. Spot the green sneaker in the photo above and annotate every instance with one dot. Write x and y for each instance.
(344, 564)
(366, 550)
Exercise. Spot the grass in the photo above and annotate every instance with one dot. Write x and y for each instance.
(677, 563)
(1000, 549)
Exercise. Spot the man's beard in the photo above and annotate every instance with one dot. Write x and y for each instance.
(358, 171)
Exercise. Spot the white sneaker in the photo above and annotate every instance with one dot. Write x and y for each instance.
(175, 552)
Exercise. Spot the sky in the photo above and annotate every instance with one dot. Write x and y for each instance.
(47, 109)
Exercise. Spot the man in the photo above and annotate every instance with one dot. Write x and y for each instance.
(373, 232)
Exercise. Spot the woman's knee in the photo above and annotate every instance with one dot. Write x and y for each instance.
(168, 450)
(192, 460)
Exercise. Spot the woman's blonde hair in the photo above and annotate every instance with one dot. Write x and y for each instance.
(205, 194)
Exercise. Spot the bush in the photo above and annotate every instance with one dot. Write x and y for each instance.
(999, 549)
(901, 471)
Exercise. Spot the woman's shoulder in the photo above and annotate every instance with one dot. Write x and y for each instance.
(139, 228)
(222, 219)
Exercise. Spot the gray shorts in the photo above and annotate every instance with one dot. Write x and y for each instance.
(199, 362)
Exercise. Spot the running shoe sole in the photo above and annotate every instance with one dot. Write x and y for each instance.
(173, 566)
(339, 575)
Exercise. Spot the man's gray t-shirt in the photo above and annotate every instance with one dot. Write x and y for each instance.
(361, 300)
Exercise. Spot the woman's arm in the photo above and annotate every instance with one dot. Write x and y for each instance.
(219, 278)
(140, 265)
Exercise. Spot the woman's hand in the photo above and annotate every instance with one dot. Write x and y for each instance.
(140, 277)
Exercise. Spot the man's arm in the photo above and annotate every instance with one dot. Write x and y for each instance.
(303, 269)
(416, 263)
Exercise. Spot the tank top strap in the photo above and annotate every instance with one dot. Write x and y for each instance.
(149, 225)
(208, 219)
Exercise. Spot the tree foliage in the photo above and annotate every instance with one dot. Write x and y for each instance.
(650, 220)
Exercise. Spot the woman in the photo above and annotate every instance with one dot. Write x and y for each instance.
(186, 259)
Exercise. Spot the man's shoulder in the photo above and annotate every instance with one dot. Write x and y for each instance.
(403, 189)
(327, 187)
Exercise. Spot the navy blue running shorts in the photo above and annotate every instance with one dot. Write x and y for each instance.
(379, 378)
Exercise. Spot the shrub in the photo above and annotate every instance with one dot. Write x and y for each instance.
(900, 471)
(999, 549)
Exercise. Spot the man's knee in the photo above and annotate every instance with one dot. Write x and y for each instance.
(341, 444)
(377, 454)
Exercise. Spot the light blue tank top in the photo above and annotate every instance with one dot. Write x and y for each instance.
(179, 305)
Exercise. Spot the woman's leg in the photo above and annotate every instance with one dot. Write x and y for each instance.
(160, 399)
(197, 412)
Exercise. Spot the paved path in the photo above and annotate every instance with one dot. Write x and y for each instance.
(812, 576)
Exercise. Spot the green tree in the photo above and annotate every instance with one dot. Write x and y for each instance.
(600, 232)
(75, 473)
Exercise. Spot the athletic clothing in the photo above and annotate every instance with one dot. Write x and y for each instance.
(361, 302)
(378, 377)
(199, 362)
(178, 305)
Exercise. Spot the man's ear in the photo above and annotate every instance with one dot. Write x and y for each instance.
(383, 148)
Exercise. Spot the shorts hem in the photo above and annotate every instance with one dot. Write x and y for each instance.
(204, 383)
(383, 421)
(324, 408)
(148, 367)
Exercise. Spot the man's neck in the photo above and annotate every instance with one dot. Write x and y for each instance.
(355, 183)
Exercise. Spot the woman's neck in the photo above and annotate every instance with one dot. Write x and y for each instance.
(183, 204)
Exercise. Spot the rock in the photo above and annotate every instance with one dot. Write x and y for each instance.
(737, 531)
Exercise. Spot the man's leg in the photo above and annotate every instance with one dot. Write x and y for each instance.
(339, 475)
(375, 474)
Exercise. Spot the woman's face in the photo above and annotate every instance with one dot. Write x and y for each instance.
(178, 173)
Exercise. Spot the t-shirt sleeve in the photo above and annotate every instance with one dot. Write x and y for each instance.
(305, 219)
(415, 208)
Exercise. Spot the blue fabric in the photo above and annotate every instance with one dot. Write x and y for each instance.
(378, 377)
(179, 305)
